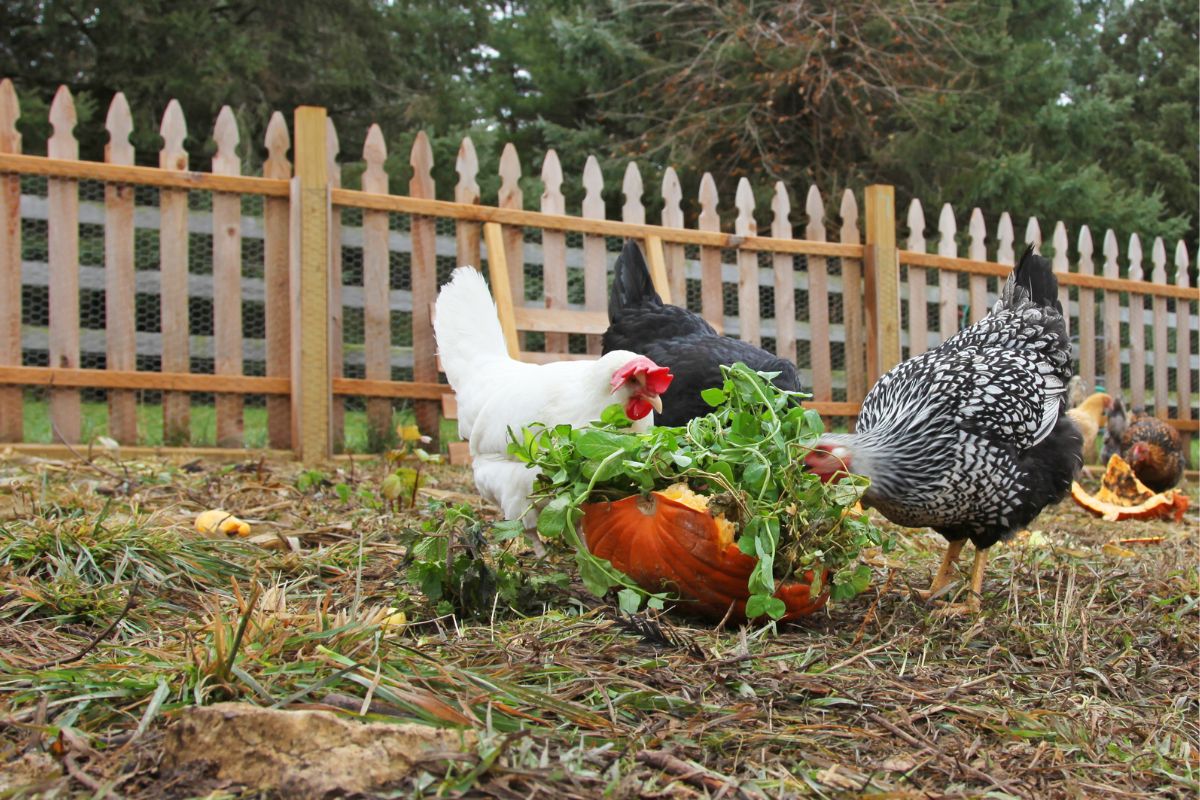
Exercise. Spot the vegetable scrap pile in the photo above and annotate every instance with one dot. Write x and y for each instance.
(745, 459)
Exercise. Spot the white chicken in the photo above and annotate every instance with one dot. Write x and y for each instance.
(496, 393)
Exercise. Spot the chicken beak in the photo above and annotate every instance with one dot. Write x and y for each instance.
(655, 402)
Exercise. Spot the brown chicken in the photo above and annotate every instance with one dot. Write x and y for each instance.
(1089, 417)
(1154, 450)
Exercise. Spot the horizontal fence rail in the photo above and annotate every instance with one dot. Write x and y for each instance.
(179, 302)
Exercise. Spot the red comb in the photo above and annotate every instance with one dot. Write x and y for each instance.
(657, 378)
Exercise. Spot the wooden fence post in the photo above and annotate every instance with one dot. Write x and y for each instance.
(882, 281)
(424, 286)
(12, 419)
(120, 315)
(275, 279)
(311, 384)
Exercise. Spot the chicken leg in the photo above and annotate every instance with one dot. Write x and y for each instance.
(945, 571)
(971, 605)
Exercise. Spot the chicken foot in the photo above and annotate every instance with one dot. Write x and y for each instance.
(945, 571)
(971, 605)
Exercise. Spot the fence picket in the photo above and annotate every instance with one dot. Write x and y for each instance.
(918, 315)
(1162, 399)
(595, 256)
(227, 280)
(747, 260)
(554, 247)
(1061, 264)
(1183, 343)
(1137, 327)
(1087, 312)
(467, 232)
(424, 286)
(784, 268)
(1004, 240)
(276, 280)
(673, 254)
(947, 280)
(855, 345)
(377, 317)
(712, 289)
(818, 300)
(977, 251)
(63, 236)
(120, 315)
(1033, 233)
(631, 187)
(514, 237)
(1112, 318)
(12, 414)
(337, 404)
(173, 293)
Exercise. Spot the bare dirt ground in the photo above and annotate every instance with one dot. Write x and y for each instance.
(117, 618)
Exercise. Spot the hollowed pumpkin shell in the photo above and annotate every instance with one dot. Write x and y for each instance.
(665, 545)
(1122, 496)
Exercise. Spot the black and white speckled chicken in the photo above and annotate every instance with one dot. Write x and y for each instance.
(971, 438)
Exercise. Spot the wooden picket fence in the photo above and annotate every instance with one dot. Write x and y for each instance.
(844, 302)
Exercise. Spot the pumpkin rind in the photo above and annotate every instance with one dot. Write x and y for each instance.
(662, 544)
(1122, 496)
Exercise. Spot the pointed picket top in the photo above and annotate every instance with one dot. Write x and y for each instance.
(977, 236)
(781, 207)
(1135, 258)
(1004, 240)
(1085, 247)
(1033, 233)
(947, 227)
(420, 158)
(1158, 257)
(332, 148)
(672, 192)
(593, 189)
(119, 124)
(510, 195)
(62, 117)
(916, 226)
(466, 164)
(1111, 252)
(709, 219)
(278, 141)
(225, 134)
(631, 186)
(375, 178)
(10, 112)
(1181, 264)
(553, 201)
(849, 215)
(173, 131)
(1060, 262)
(743, 201)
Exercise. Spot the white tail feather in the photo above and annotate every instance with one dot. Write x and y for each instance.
(466, 327)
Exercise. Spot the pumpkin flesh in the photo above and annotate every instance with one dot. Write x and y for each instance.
(1122, 496)
(665, 545)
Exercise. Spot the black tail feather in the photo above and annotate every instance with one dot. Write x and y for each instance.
(631, 286)
(1035, 275)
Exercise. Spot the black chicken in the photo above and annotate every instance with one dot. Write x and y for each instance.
(674, 337)
(971, 438)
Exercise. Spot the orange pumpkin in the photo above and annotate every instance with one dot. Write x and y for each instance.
(664, 545)
(1122, 496)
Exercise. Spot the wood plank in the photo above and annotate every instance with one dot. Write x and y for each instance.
(227, 280)
(1183, 340)
(337, 413)
(309, 283)
(657, 264)
(173, 276)
(1137, 327)
(749, 312)
(560, 320)
(449, 405)
(459, 453)
(143, 381)
(63, 236)
(712, 289)
(977, 288)
(1087, 312)
(424, 287)
(947, 281)
(854, 322)
(172, 178)
(1112, 319)
(377, 319)
(882, 284)
(1158, 319)
(783, 268)
(406, 390)
(511, 197)
(595, 255)
(501, 285)
(818, 301)
(554, 248)
(120, 315)
(61, 452)
(673, 254)
(12, 420)
(918, 316)
(466, 192)
(275, 278)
